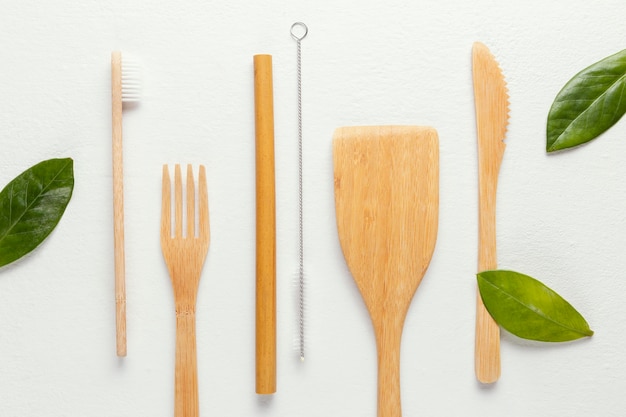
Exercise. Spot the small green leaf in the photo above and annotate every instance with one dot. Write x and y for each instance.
(31, 206)
(529, 309)
(590, 103)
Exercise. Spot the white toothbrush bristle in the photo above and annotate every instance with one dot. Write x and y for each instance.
(131, 81)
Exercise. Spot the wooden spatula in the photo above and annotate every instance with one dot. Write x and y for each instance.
(387, 206)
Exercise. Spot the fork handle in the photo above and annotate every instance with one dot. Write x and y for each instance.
(186, 375)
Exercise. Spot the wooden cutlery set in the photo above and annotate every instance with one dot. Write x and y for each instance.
(386, 181)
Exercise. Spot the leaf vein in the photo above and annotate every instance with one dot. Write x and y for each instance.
(28, 206)
(536, 311)
(586, 110)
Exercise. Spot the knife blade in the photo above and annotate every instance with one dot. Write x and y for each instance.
(491, 101)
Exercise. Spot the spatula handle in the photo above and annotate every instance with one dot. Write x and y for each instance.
(186, 375)
(388, 347)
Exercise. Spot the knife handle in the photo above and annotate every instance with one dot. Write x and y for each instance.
(487, 349)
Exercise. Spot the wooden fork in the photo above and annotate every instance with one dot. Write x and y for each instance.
(184, 256)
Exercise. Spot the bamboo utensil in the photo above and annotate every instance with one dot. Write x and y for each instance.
(492, 115)
(265, 227)
(184, 254)
(124, 88)
(387, 206)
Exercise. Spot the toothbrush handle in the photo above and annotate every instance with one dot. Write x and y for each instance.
(118, 203)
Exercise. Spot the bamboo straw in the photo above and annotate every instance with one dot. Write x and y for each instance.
(265, 227)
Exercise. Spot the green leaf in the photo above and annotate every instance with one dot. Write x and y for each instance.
(31, 206)
(529, 309)
(590, 103)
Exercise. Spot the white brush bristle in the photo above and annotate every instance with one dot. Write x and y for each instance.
(131, 81)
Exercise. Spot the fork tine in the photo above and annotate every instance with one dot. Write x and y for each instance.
(166, 202)
(203, 204)
(191, 205)
(178, 202)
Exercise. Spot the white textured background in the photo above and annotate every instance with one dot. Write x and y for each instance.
(561, 218)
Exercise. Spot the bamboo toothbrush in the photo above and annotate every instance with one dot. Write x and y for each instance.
(124, 88)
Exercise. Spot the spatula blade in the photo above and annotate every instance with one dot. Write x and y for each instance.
(387, 204)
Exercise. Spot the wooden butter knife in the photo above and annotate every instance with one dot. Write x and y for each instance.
(491, 101)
